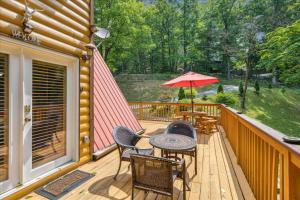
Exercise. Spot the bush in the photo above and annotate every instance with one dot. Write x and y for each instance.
(270, 86)
(187, 93)
(204, 98)
(220, 89)
(225, 98)
(181, 94)
(256, 87)
(241, 89)
(165, 97)
(283, 90)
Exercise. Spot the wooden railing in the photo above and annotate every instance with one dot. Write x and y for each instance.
(271, 166)
(168, 111)
(266, 160)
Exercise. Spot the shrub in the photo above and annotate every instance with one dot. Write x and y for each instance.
(220, 89)
(187, 93)
(204, 98)
(256, 87)
(225, 98)
(283, 90)
(165, 97)
(181, 94)
(241, 89)
(270, 86)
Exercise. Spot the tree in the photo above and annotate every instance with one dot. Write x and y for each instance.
(250, 25)
(220, 89)
(181, 94)
(227, 13)
(282, 50)
(256, 87)
(241, 89)
(130, 41)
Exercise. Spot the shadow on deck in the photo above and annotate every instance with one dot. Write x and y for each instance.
(218, 177)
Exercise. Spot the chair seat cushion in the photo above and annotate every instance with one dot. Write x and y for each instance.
(175, 174)
(126, 153)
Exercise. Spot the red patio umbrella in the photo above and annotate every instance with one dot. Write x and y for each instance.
(191, 79)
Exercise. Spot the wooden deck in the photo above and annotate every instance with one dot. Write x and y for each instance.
(219, 177)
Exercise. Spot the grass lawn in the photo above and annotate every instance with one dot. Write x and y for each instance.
(145, 90)
(278, 110)
(272, 107)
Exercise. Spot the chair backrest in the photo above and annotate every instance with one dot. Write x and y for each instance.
(124, 136)
(153, 173)
(182, 128)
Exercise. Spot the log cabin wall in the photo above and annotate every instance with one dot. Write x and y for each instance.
(63, 26)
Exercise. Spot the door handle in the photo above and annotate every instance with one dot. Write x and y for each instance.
(27, 119)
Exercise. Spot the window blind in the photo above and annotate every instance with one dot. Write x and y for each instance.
(48, 112)
(4, 133)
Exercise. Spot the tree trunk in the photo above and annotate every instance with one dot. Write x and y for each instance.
(243, 102)
(228, 67)
(184, 35)
(274, 78)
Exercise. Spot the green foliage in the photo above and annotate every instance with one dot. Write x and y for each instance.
(205, 98)
(256, 87)
(282, 50)
(212, 36)
(226, 98)
(270, 86)
(181, 94)
(283, 90)
(188, 93)
(220, 89)
(241, 89)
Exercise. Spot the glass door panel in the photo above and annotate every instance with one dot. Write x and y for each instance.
(48, 112)
(4, 133)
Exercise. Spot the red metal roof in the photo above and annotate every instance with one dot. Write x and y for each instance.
(110, 106)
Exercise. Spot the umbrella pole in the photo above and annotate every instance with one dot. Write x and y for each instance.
(192, 101)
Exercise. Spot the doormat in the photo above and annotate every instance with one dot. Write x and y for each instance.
(61, 186)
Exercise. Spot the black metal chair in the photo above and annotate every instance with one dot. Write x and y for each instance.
(126, 140)
(184, 128)
(156, 174)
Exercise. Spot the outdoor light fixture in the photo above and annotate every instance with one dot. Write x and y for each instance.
(101, 33)
(90, 49)
(85, 56)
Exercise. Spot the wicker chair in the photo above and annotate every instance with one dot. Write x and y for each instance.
(184, 128)
(126, 140)
(156, 174)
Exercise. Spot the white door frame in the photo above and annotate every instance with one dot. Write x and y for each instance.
(20, 67)
(14, 116)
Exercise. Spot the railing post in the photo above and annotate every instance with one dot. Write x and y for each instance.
(177, 109)
(238, 140)
(285, 176)
(141, 111)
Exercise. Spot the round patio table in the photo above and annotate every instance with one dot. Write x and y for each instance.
(172, 142)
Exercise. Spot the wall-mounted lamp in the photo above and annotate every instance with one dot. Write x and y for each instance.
(90, 49)
(85, 56)
(93, 28)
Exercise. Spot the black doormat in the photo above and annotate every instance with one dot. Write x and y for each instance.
(61, 186)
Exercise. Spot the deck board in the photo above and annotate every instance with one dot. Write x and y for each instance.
(218, 177)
